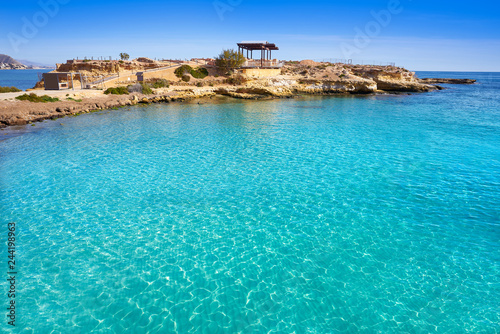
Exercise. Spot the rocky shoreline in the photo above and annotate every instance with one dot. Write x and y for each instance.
(294, 80)
(14, 112)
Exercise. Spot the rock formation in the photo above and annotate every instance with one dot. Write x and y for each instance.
(447, 81)
(9, 63)
(305, 78)
(347, 78)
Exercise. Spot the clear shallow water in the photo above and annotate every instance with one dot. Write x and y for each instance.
(22, 79)
(324, 215)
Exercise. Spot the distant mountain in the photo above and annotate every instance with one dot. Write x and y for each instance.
(7, 62)
(33, 64)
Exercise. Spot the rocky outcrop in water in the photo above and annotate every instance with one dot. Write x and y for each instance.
(331, 78)
(306, 78)
(447, 81)
(14, 112)
(281, 87)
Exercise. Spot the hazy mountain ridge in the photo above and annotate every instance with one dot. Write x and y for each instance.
(34, 64)
(9, 63)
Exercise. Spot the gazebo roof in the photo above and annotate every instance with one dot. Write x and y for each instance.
(260, 45)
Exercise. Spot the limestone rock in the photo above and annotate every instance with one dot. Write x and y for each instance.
(447, 81)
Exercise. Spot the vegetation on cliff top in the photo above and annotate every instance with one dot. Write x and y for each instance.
(198, 73)
(161, 83)
(35, 98)
(140, 87)
(9, 89)
(74, 100)
(116, 91)
(228, 61)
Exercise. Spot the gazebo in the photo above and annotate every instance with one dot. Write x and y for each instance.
(265, 48)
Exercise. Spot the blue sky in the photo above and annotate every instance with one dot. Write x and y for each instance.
(420, 35)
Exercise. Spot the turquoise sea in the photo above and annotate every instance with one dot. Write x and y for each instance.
(22, 79)
(354, 214)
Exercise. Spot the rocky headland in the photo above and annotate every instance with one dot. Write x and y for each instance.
(9, 63)
(294, 79)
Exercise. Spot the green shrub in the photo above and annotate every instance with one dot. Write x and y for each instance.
(161, 83)
(72, 99)
(9, 89)
(199, 73)
(229, 60)
(35, 98)
(181, 71)
(146, 89)
(116, 91)
(186, 78)
(199, 84)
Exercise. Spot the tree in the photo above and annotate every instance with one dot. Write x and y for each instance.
(228, 60)
(124, 56)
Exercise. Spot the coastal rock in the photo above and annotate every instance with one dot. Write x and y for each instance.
(394, 81)
(17, 121)
(361, 86)
(447, 81)
(247, 96)
(314, 79)
(332, 78)
(412, 87)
